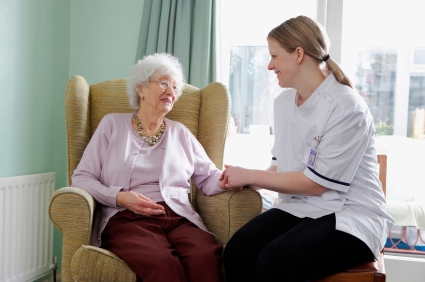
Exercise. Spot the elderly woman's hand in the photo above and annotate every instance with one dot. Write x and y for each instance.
(223, 181)
(138, 203)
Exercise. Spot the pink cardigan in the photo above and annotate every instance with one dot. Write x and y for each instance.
(106, 167)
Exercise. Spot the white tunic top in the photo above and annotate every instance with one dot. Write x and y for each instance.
(336, 123)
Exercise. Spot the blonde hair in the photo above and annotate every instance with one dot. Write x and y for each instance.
(304, 32)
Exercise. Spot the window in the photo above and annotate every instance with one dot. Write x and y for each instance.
(253, 88)
(386, 58)
(245, 25)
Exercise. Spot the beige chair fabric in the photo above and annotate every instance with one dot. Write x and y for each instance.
(204, 111)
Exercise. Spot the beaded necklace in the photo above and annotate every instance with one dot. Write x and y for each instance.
(150, 140)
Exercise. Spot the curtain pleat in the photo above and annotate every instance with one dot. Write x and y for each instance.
(184, 28)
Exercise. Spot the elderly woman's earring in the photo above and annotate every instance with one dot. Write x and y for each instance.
(142, 97)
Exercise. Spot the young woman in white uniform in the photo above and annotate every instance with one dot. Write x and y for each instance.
(332, 211)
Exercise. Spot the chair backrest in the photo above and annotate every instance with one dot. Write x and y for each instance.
(204, 111)
(382, 161)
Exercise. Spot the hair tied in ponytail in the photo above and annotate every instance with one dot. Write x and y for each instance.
(325, 58)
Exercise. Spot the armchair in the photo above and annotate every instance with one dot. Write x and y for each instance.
(204, 111)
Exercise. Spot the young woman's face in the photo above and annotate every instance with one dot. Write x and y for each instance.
(159, 95)
(282, 63)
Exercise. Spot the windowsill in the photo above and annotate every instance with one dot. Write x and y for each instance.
(404, 267)
(404, 257)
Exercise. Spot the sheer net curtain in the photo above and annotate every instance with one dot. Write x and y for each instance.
(186, 29)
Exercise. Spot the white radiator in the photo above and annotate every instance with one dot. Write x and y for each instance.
(26, 233)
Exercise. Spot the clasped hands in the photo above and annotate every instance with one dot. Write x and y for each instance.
(233, 178)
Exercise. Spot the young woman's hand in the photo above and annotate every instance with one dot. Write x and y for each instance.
(232, 178)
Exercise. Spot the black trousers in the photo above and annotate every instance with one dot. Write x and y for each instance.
(277, 246)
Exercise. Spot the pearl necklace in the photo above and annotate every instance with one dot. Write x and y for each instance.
(150, 140)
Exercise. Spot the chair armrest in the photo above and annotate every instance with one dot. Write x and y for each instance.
(86, 264)
(223, 214)
(71, 211)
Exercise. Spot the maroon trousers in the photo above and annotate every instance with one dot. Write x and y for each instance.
(163, 247)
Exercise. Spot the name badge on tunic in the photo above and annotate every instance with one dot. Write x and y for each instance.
(310, 156)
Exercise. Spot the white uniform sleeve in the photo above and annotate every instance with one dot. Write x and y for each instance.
(341, 149)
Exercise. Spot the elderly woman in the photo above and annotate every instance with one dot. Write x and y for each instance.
(138, 166)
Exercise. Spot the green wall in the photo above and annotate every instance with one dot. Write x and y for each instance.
(34, 67)
(104, 36)
(42, 44)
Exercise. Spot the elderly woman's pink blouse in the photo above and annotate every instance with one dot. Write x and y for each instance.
(116, 158)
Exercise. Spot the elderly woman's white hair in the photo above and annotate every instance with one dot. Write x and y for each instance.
(151, 68)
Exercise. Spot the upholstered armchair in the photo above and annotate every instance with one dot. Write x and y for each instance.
(204, 111)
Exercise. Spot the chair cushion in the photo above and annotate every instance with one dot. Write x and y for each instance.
(95, 264)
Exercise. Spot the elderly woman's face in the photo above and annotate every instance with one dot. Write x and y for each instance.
(159, 95)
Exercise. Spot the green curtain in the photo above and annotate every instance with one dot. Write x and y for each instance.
(184, 28)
